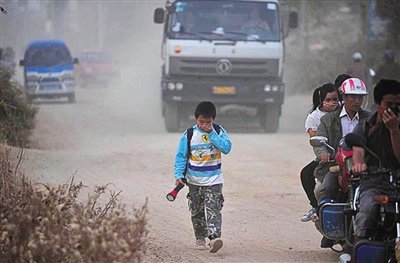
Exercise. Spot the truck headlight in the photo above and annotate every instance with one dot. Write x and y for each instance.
(171, 86)
(267, 88)
(275, 88)
(179, 86)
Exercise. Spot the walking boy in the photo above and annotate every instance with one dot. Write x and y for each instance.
(198, 160)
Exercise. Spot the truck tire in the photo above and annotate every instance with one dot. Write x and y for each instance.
(269, 118)
(171, 117)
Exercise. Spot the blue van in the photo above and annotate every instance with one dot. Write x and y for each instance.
(49, 70)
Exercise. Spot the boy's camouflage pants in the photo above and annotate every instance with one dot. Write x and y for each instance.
(205, 204)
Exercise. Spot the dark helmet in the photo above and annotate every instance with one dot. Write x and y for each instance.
(389, 55)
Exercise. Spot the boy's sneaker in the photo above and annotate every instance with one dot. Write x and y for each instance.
(201, 244)
(215, 244)
(308, 215)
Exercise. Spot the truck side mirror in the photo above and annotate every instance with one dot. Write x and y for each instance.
(21, 62)
(293, 19)
(76, 61)
(159, 14)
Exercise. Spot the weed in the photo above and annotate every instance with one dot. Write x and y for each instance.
(40, 223)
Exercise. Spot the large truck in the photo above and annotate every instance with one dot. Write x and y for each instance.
(227, 52)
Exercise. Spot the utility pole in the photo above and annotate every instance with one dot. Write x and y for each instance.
(100, 26)
(304, 29)
(363, 38)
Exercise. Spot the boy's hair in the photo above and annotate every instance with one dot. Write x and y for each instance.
(205, 109)
(385, 87)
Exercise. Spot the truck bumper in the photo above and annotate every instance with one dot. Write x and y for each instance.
(223, 91)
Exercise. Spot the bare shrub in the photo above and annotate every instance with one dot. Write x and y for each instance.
(49, 224)
(17, 115)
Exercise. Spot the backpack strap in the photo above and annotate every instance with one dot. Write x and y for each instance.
(189, 135)
(217, 128)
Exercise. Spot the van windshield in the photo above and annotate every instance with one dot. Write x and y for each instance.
(216, 20)
(47, 56)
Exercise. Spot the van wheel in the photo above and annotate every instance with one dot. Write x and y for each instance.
(71, 98)
(171, 117)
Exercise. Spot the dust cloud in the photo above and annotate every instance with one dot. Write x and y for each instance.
(135, 96)
(126, 30)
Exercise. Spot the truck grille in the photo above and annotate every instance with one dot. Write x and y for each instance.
(236, 67)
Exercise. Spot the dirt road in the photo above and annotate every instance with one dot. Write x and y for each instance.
(116, 135)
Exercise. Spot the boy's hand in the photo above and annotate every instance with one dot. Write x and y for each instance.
(207, 128)
(179, 181)
(205, 124)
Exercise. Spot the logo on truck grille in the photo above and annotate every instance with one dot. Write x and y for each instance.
(224, 67)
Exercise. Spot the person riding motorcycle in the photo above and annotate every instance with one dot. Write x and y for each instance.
(358, 69)
(389, 69)
(335, 126)
(325, 99)
(381, 135)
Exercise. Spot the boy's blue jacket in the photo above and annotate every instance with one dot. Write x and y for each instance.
(204, 163)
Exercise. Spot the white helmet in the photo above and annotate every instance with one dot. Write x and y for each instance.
(353, 86)
(357, 56)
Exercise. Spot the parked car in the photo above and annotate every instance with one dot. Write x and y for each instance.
(49, 70)
(95, 67)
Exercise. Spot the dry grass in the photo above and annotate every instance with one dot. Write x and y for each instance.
(17, 115)
(49, 224)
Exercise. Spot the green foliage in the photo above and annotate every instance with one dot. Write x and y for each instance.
(49, 224)
(17, 116)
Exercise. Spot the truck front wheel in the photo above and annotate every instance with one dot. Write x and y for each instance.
(269, 118)
(171, 117)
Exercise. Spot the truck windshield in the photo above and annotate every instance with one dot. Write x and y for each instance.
(235, 20)
(47, 56)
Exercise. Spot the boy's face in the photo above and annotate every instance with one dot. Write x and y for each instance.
(205, 124)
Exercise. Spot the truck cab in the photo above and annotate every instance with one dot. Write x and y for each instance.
(228, 52)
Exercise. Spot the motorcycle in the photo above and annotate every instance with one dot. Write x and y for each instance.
(384, 246)
(336, 217)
